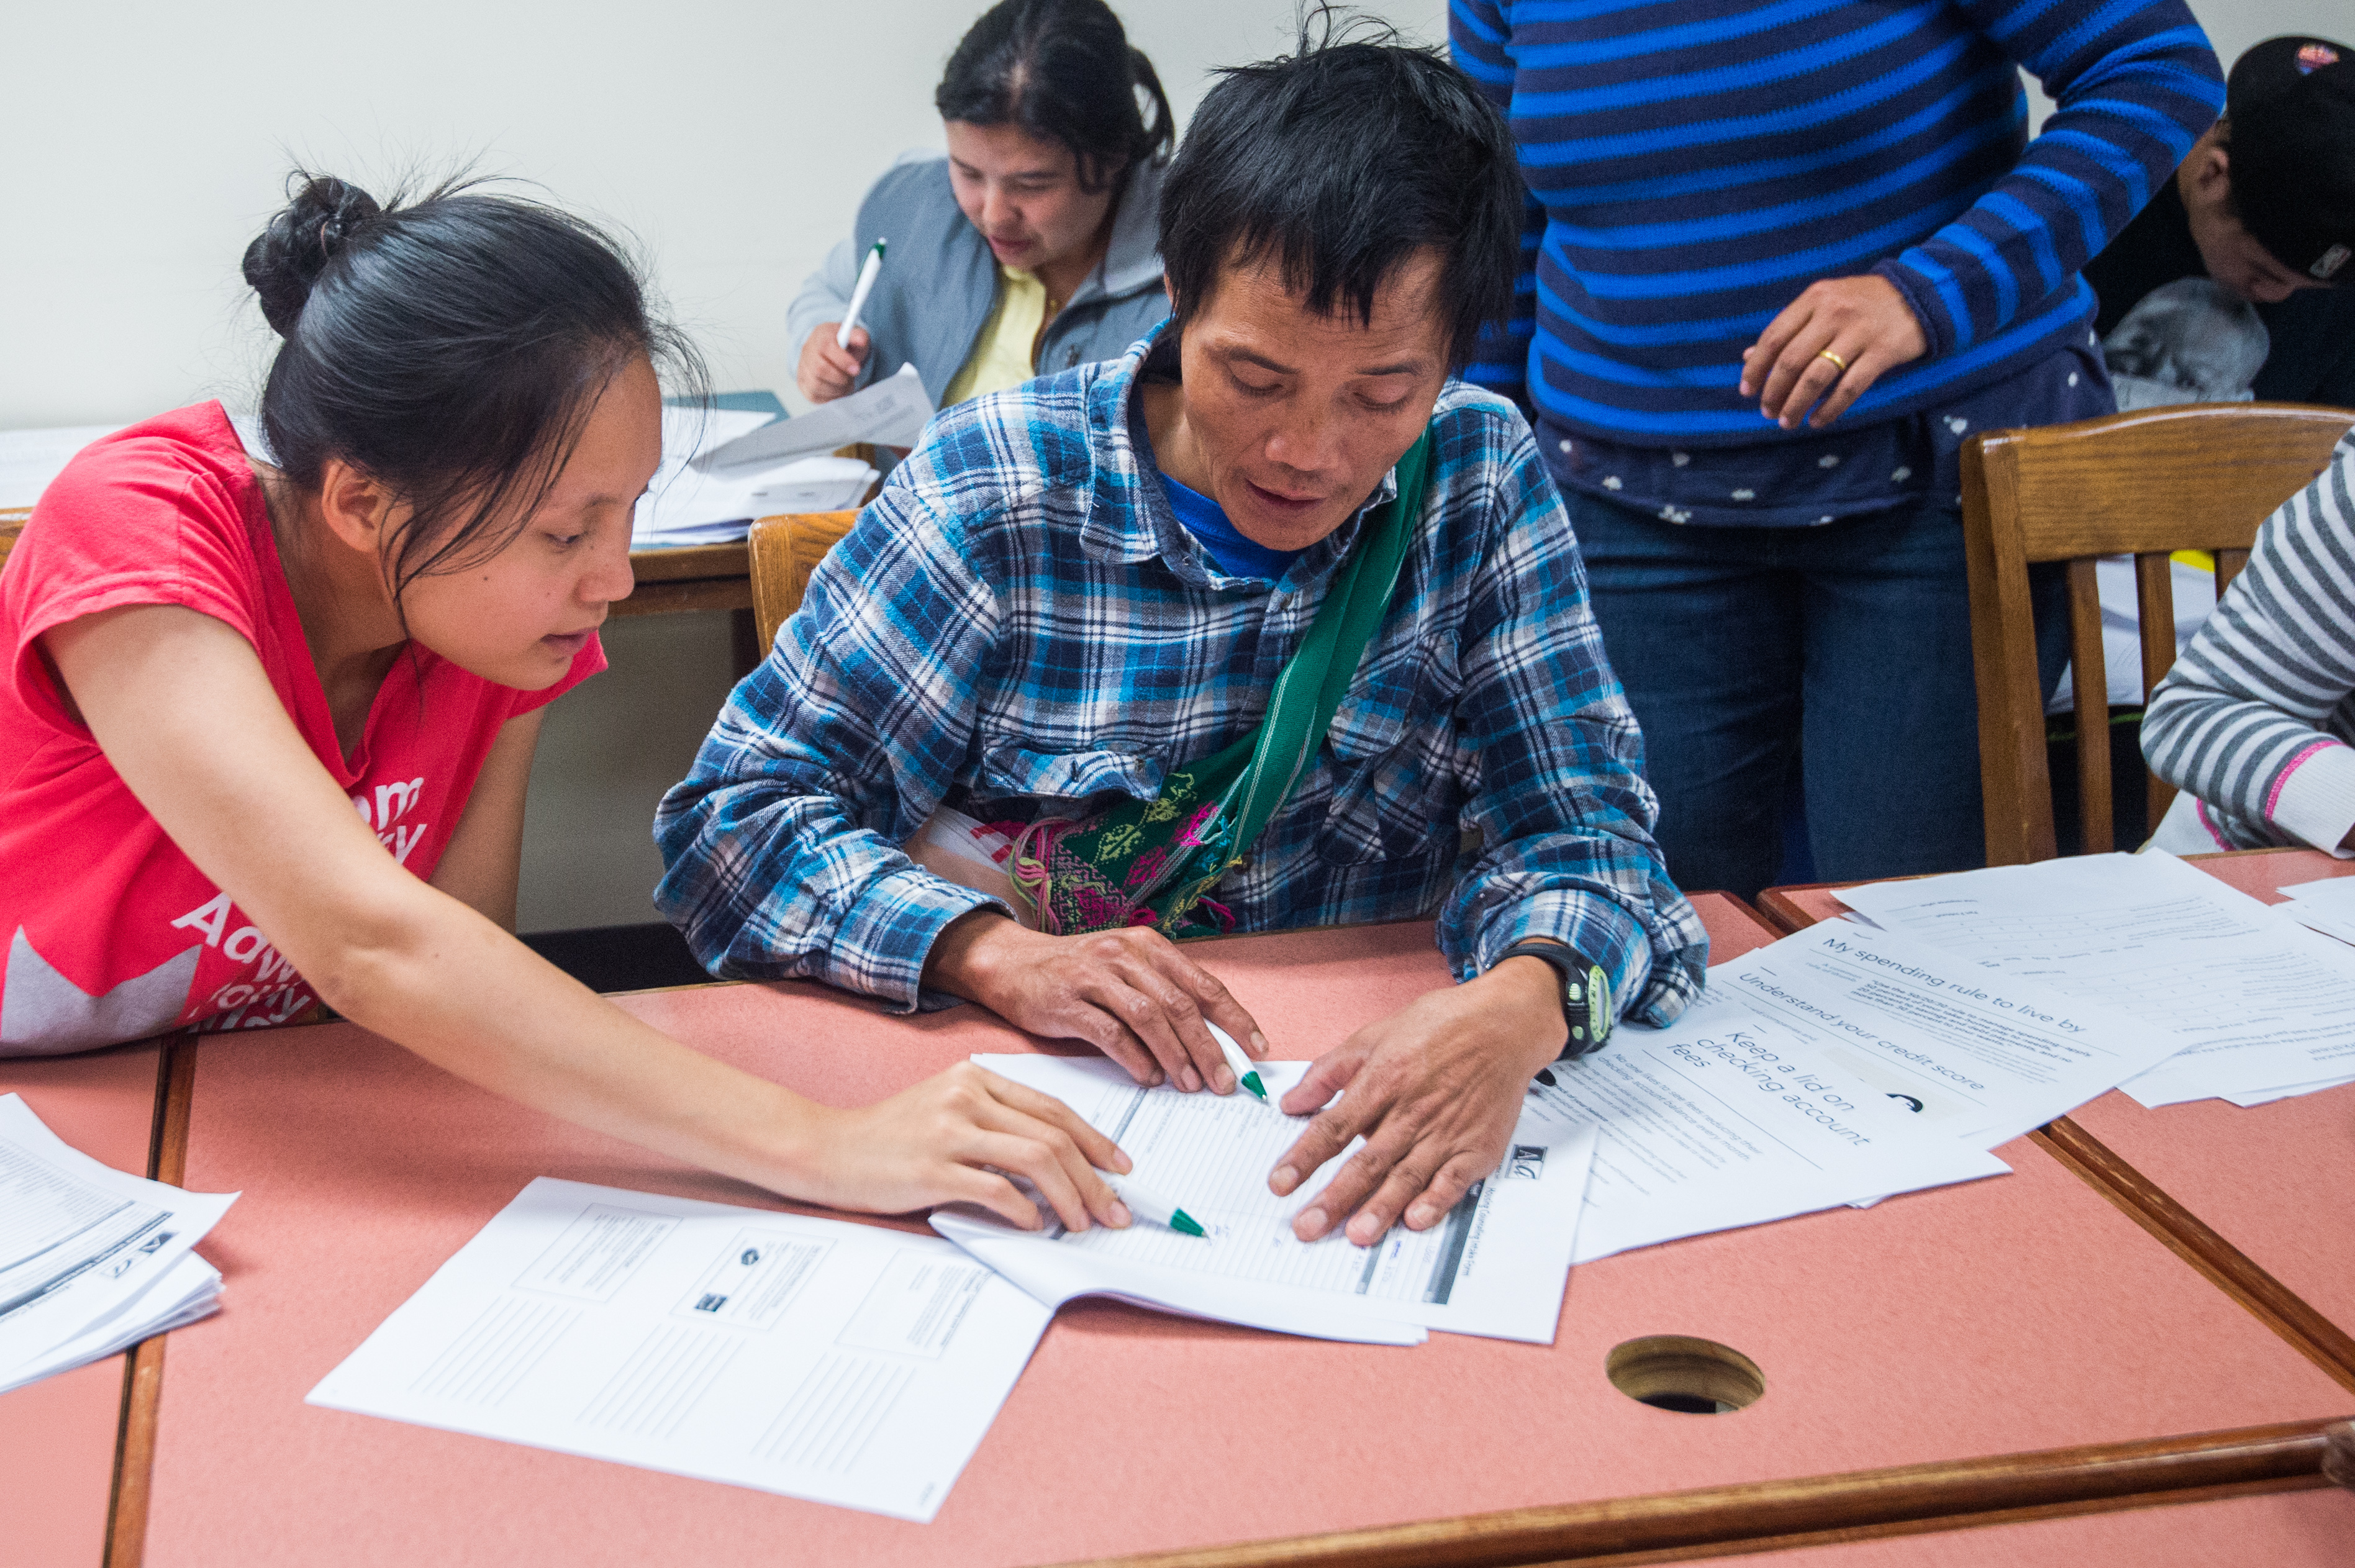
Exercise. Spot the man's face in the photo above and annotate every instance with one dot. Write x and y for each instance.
(2231, 253)
(1295, 416)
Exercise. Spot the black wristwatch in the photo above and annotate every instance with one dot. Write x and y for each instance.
(1585, 993)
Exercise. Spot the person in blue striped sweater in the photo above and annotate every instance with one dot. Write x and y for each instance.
(1779, 262)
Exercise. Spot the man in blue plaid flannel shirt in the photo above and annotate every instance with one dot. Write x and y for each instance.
(1072, 589)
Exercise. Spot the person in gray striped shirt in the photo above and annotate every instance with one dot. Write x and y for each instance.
(2256, 721)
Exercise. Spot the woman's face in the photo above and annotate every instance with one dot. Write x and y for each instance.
(519, 617)
(1024, 195)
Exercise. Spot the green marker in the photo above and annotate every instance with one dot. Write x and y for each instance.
(1246, 1070)
(1147, 1206)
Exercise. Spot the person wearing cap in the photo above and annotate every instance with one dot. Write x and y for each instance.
(2231, 284)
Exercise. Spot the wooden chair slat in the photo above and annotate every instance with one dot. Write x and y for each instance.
(2090, 674)
(2155, 609)
(2228, 567)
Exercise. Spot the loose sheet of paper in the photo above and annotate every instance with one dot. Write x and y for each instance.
(1749, 1109)
(891, 413)
(1983, 1057)
(2246, 999)
(90, 1259)
(1495, 1266)
(843, 1363)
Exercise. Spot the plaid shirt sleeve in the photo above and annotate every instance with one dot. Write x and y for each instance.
(1561, 803)
(782, 846)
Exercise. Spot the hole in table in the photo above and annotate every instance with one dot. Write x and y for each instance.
(1675, 1371)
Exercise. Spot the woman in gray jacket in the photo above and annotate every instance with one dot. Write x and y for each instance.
(1030, 247)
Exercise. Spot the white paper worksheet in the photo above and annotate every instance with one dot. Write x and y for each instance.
(1736, 1115)
(1495, 1266)
(2246, 999)
(90, 1259)
(843, 1363)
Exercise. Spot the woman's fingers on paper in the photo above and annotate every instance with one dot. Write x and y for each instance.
(1036, 1161)
(1078, 1150)
(1102, 1153)
(985, 1190)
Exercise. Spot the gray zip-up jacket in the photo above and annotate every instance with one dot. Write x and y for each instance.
(939, 279)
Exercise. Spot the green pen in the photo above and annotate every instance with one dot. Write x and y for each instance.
(1246, 1070)
(1157, 1210)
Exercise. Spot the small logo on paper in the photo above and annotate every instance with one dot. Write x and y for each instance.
(710, 1303)
(1527, 1164)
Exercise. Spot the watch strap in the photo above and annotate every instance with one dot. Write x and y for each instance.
(1586, 1001)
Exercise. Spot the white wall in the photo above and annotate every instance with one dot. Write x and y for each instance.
(146, 143)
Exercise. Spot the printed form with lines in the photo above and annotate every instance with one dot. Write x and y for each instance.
(844, 1363)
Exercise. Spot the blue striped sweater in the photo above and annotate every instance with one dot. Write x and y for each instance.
(1694, 164)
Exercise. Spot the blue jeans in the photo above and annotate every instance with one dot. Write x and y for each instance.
(1745, 649)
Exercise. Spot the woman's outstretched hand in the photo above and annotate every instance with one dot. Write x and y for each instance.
(956, 1138)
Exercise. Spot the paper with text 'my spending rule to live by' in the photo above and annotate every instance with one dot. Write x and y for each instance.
(1495, 1266)
(2236, 999)
(843, 1363)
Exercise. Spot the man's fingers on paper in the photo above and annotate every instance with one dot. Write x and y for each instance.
(1143, 1018)
(1215, 1004)
(1326, 1077)
(1444, 1192)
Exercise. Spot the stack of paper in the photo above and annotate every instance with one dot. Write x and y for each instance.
(91, 1261)
(722, 468)
(1497, 1266)
(29, 459)
(2245, 1003)
(844, 1363)
(1836, 1067)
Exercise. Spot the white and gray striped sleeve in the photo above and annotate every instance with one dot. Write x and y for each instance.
(2256, 717)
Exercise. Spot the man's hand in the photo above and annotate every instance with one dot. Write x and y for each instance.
(1434, 1090)
(827, 372)
(1863, 320)
(1130, 993)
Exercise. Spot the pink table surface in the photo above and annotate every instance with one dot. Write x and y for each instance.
(2018, 1313)
(2287, 1529)
(2279, 1180)
(56, 1437)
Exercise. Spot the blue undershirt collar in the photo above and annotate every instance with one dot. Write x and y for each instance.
(1233, 554)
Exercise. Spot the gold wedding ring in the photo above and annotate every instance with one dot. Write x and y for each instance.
(1827, 354)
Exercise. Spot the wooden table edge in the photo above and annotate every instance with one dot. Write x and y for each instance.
(2143, 1200)
(1769, 1515)
(142, 1372)
(1660, 1528)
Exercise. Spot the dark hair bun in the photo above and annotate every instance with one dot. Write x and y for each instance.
(287, 258)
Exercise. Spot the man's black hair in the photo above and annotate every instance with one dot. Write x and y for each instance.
(1340, 163)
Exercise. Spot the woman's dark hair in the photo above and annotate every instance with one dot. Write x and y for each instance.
(1063, 71)
(451, 347)
(1340, 163)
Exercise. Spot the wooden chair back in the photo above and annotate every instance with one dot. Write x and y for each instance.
(2147, 483)
(12, 523)
(785, 551)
